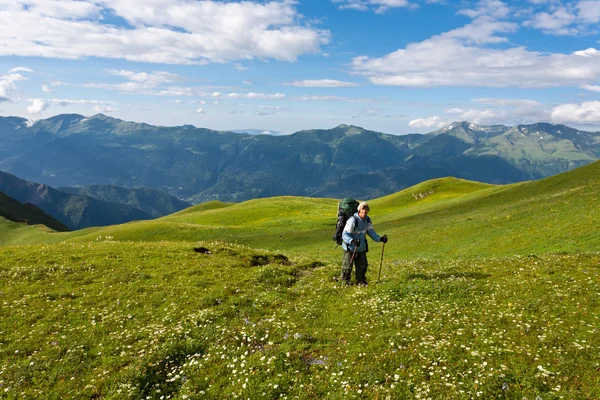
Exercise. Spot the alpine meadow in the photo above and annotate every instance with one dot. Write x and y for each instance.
(299, 199)
(486, 291)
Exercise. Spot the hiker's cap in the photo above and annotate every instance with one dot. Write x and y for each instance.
(365, 205)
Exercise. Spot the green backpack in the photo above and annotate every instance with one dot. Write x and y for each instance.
(346, 209)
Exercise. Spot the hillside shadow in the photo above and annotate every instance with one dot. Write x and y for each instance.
(449, 275)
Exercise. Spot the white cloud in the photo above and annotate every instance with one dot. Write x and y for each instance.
(20, 69)
(478, 116)
(450, 59)
(37, 106)
(589, 11)
(141, 82)
(60, 9)
(66, 102)
(7, 87)
(326, 83)
(482, 30)
(593, 88)
(430, 122)
(46, 89)
(200, 111)
(160, 31)
(585, 113)
(556, 23)
(498, 111)
(154, 78)
(105, 109)
(7, 84)
(487, 8)
(378, 6)
(509, 102)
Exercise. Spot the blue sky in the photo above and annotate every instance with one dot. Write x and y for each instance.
(395, 66)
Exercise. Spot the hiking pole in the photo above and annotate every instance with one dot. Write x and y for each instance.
(351, 260)
(353, 254)
(381, 263)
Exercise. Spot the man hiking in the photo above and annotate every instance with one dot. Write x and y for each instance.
(354, 243)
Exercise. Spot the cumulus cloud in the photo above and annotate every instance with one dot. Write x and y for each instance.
(487, 8)
(584, 113)
(159, 31)
(430, 122)
(589, 11)
(570, 18)
(200, 111)
(7, 84)
(104, 109)
(492, 111)
(459, 63)
(37, 106)
(326, 83)
(556, 23)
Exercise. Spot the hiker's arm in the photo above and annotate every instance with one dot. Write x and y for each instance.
(348, 229)
(372, 234)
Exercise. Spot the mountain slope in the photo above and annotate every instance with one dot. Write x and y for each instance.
(151, 201)
(74, 211)
(435, 219)
(201, 165)
(12, 210)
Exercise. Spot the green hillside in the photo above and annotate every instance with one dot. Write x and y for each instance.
(485, 292)
(24, 223)
(441, 218)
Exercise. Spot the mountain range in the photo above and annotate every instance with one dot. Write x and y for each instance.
(82, 207)
(199, 164)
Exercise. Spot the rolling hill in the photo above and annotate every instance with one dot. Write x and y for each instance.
(486, 291)
(441, 218)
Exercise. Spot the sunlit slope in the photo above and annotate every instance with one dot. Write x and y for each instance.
(20, 233)
(209, 205)
(278, 222)
(436, 219)
(555, 214)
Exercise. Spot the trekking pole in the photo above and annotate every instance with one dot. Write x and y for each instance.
(381, 263)
(353, 254)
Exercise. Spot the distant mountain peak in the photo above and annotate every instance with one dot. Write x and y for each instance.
(350, 129)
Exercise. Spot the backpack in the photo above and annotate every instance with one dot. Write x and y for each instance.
(346, 209)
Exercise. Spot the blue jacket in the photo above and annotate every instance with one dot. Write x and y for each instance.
(357, 228)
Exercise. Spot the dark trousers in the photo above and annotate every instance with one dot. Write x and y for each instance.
(360, 264)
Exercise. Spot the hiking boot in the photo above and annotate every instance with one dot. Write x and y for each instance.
(346, 283)
(363, 283)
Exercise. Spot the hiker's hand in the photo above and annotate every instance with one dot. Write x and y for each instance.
(383, 239)
(355, 242)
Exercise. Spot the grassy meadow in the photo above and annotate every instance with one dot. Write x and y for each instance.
(485, 292)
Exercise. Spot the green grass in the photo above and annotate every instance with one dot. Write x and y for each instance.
(486, 292)
(136, 320)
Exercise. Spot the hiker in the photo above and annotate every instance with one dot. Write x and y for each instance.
(354, 243)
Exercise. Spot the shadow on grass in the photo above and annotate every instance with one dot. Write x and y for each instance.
(449, 275)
